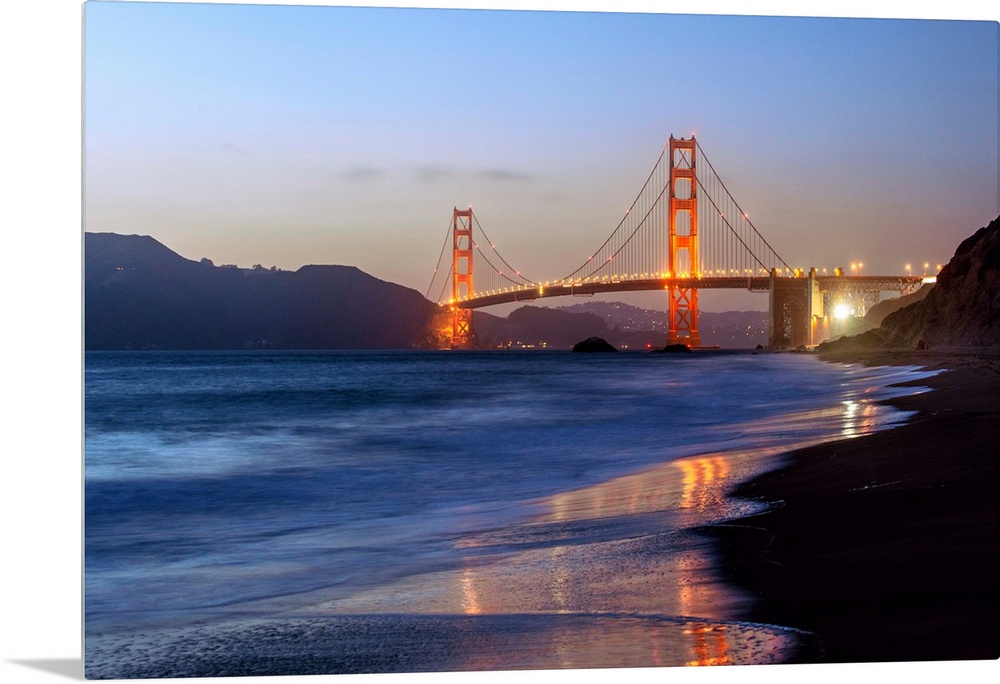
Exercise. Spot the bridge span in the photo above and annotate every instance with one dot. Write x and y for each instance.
(800, 306)
(560, 289)
(847, 285)
(659, 245)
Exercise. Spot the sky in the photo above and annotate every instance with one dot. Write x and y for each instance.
(290, 135)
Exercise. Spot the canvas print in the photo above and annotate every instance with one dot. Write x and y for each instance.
(463, 340)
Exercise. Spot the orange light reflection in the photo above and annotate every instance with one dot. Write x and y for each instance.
(626, 594)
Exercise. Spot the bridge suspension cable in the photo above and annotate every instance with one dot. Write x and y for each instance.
(493, 273)
(638, 248)
(757, 253)
(723, 241)
(444, 246)
(614, 244)
(517, 278)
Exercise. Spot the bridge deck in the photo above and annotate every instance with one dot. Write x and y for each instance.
(751, 283)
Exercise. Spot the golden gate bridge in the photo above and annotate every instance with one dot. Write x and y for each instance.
(683, 232)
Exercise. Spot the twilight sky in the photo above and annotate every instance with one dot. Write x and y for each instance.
(290, 135)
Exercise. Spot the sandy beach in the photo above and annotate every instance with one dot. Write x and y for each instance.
(887, 547)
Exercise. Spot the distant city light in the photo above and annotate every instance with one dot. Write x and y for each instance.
(841, 311)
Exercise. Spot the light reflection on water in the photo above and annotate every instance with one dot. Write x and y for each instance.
(627, 560)
(658, 597)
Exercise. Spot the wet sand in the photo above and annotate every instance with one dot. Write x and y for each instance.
(887, 547)
(395, 644)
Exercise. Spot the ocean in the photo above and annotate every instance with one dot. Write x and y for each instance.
(224, 485)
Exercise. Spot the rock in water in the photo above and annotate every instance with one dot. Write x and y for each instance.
(594, 344)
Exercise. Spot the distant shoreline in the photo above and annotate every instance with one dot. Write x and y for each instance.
(886, 546)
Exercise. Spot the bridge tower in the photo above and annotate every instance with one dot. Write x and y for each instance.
(461, 280)
(682, 257)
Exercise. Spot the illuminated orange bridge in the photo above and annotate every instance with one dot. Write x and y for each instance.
(683, 233)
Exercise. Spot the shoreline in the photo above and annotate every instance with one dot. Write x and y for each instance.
(885, 546)
(586, 586)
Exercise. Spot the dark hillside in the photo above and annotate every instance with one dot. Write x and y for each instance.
(877, 313)
(535, 326)
(138, 294)
(961, 310)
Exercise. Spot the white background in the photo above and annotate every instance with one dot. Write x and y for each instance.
(41, 354)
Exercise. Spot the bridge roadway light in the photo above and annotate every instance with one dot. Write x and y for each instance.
(841, 311)
(908, 273)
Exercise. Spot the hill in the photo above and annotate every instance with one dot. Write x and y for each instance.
(877, 313)
(138, 294)
(537, 326)
(623, 325)
(731, 329)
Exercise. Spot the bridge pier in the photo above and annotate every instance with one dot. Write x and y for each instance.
(683, 313)
(796, 305)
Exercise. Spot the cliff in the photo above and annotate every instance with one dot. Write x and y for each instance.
(877, 313)
(961, 310)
